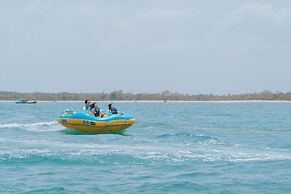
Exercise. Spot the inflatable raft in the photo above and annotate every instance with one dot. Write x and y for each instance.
(84, 122)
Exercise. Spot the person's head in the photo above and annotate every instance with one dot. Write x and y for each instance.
(110, 106)
(87, 102)
(95, 105)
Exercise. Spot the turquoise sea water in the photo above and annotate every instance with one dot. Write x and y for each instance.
(173, 148)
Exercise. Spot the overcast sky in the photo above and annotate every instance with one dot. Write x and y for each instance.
(189, 46)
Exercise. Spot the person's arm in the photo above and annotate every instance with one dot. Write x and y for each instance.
(90, 113)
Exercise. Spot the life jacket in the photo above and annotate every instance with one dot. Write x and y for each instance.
(114, 111)
(96, 111)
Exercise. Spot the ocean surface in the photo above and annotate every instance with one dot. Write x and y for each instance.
(173, 148)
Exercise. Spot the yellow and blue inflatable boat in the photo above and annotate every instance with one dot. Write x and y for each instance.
(84, 122)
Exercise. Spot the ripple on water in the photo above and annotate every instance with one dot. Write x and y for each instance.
(38, 126)
(139, 154)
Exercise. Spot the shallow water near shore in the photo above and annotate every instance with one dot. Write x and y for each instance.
(173, 148)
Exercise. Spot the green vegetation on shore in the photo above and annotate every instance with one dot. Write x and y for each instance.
(120, 95)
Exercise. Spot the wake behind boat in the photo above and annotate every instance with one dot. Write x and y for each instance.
(84, 122)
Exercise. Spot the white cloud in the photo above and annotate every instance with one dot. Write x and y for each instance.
(253, 12)
(161, 14)
(168, 46)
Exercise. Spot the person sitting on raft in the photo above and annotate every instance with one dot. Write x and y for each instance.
(87, 105)
(112, 109)
(95, 110)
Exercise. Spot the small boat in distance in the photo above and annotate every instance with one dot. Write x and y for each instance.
(22, 101)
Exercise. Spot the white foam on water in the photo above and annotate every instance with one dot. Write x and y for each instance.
(76, 151)
(210, 150)
(39, 126)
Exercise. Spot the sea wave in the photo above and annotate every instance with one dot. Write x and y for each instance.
(286, 131)
(140, 154)
(190, 138)
(39, 126)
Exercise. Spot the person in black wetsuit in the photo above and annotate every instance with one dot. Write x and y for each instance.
(95, 110)
(112, 109)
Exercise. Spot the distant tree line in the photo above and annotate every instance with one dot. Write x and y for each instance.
(120, 95)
